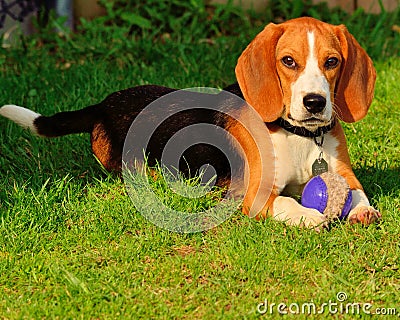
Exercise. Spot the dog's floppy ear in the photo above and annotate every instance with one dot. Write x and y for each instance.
(355, 87)
(257, 75)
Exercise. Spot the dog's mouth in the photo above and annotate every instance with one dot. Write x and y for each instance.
(311, 123)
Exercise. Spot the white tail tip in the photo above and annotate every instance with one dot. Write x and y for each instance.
(21, 116)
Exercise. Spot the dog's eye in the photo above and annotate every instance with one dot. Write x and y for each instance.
(289, 62)
(331, 63)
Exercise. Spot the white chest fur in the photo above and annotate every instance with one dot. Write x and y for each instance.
(294, 156)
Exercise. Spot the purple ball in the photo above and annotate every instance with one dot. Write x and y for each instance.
(328, 193)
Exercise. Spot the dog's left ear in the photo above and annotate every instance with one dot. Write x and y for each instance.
(355, 87)
(257, 75)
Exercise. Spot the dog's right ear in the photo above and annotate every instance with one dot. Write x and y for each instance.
(257, 75)
(355, 88)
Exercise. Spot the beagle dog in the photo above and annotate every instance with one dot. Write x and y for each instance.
(301, 76)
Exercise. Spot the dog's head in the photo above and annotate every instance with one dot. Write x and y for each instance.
(306, 71)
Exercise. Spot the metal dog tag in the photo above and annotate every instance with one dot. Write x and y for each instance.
(319, 166)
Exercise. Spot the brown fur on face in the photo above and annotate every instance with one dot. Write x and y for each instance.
(265, 81)
(326, 47)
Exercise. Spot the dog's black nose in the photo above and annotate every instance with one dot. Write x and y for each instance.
(314, 103)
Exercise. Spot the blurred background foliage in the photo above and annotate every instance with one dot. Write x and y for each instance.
(134, 24)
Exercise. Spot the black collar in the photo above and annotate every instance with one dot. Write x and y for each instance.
(301, 131)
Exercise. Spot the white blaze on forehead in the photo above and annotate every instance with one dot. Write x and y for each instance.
(312, 61)
(312, 80)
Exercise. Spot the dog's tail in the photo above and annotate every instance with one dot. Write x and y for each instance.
(60, 124)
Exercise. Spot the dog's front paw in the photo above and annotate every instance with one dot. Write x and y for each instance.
(364, 215)
(311, 218)
(304, 218)
(292, 213)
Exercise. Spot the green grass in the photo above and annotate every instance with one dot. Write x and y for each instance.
(73, 246)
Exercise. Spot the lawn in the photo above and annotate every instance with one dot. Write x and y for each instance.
(72, 244)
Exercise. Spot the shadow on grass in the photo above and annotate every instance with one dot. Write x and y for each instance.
(379, 181)
(26, 160)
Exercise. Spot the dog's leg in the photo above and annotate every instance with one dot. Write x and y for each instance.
(361, 210)
(287, 210)
(290, 211)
